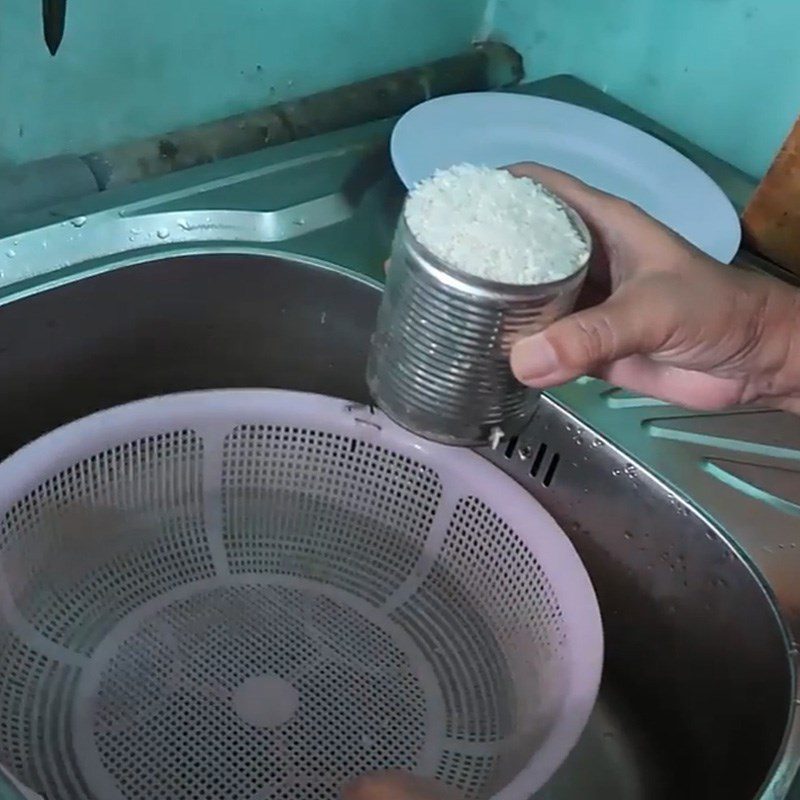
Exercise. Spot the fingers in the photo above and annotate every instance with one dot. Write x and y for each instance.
(597, 208)
(397, 785)
(685, 387)
(567, 186)
(582, 343)
(624, 230)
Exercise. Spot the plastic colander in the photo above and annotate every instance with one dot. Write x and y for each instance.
(261, 594)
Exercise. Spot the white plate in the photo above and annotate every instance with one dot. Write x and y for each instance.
(496, 129)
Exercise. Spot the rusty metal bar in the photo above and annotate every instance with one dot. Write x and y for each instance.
(486, 66)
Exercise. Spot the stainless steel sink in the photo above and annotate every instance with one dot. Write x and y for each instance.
(697, 692)
(688, 523)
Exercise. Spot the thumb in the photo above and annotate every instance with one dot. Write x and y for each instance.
(580, 343)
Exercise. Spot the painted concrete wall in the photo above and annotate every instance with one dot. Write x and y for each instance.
(724, 73)
(130, 68)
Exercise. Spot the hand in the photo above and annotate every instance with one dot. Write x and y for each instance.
(397, 785)
(665, 320)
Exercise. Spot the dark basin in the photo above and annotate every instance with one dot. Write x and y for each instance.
(697, 687)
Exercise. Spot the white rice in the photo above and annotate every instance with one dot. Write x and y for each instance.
(490, 224)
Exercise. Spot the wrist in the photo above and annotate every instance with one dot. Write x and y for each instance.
(780, 383)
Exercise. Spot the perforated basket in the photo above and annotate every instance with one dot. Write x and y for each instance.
(260, 594)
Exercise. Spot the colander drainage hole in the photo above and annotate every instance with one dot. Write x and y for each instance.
(265, 701)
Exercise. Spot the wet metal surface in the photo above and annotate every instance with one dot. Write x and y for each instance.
(697, 688)
(687, 523)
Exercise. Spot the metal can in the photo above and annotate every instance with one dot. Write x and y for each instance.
(439, 357)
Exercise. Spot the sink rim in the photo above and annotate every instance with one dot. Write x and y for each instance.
(788, 756)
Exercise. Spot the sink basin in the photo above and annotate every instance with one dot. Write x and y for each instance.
(697, 692)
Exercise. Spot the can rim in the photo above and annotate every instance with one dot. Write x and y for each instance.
(457, 276)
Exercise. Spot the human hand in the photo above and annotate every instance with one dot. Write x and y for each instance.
(665, 320)
(397, 785)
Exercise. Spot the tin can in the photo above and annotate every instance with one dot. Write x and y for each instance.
(439, 357)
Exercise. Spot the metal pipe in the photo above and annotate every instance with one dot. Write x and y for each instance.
(487, 65)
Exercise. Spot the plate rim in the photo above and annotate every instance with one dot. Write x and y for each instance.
(726, 244)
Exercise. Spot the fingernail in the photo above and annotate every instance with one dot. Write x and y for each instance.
(534, 358)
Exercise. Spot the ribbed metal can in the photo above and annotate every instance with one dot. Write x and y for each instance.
(439, 357)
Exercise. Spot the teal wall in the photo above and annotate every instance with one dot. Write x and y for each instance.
(724, 73)
(129, 68)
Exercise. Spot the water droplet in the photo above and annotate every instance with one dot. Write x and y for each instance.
(78, 222)
(300, 222)
(628, 535)
(162, 233)
(616, 472)
(135, 232)
(597, 443)
(11, 253)
(44, 245)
